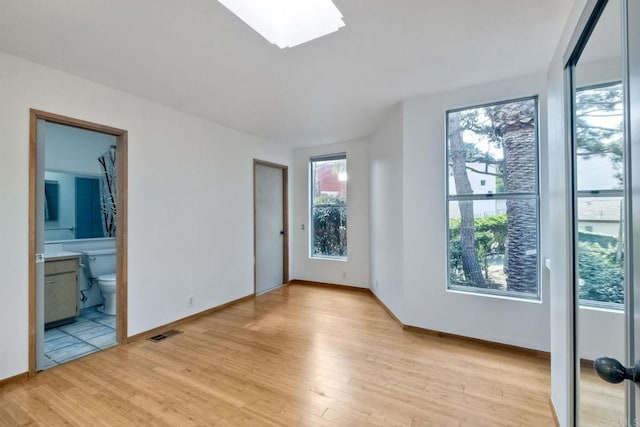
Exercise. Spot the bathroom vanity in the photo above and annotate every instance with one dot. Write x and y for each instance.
(61, 288)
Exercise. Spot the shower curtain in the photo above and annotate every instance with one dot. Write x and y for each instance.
(108, 191)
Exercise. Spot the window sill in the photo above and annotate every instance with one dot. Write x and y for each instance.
(536, 299)
(329, 258)
(608, 307)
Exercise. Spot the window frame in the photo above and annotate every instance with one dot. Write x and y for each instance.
(469, 290)
(586, 193)
(311, 205)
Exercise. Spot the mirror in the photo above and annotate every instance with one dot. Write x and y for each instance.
(598, 114)
(75, 184)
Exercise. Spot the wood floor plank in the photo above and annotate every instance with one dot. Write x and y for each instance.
(299, 355)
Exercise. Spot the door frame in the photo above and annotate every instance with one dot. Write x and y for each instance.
(589, 18)
(121, 221)
(285, 219)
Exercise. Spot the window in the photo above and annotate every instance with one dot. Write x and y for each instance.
(493, 198)
(600, 194)
(328, 231)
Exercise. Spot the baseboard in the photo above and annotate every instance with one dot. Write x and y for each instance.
(556, 420)
(492, 344)
(349, 288)
(387, 309)
(175, 323)
(537, 353)
(327, 285)
(15, 378)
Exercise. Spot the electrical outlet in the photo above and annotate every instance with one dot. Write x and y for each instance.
(344, 274)
(190, 301)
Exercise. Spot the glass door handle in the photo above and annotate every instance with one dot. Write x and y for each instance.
(612, 371)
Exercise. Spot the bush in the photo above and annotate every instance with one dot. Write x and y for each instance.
(330, 231)
(490, 237)
(601, 275)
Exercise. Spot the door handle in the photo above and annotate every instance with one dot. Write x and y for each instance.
(612, 371)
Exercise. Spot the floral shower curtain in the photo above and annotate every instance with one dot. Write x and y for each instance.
(108, 191)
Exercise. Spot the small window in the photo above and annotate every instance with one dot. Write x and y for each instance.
(328, 231)
(493, 199)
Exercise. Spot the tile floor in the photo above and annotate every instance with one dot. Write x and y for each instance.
(92, 331)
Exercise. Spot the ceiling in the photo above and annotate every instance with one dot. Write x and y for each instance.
(198, 57)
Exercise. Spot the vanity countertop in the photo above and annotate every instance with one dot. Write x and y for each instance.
(50, 256)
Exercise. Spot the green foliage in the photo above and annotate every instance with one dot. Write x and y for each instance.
(323, 199)
(490, 237)
(601, 275)
(330, 228)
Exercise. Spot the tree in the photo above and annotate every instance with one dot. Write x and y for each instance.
(458, 158)
(514, 129)
(491, 232)
(599, 124)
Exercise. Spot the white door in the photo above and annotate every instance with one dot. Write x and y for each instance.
(604, 73)
(269, 227)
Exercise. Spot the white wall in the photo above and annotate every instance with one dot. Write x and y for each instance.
(355, 270)
(427, 303)
(386, 212)
(190, 201)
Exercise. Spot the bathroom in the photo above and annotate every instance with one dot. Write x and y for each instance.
(78, 299)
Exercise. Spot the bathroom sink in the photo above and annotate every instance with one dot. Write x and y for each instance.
(60, 254)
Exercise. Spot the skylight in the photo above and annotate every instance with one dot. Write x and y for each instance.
(288, 23)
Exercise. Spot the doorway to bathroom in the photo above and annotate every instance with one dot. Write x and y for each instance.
(77, 239)
(271, 247)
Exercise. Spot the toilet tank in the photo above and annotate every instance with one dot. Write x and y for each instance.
(99, 262)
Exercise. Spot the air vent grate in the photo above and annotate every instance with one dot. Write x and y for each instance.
(164, 335)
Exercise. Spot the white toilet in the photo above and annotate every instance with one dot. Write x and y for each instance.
(100, 267)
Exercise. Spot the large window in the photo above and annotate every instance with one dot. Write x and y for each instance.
(600, 180)
(328, 233)
(492, 198)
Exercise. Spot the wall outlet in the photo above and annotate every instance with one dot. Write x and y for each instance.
(190, 301)
(375, 285)
(344, 274)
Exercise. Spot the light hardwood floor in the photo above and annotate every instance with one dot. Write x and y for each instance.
(299, 355)
(601, 403)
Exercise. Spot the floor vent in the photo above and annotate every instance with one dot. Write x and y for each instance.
(164, 335)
